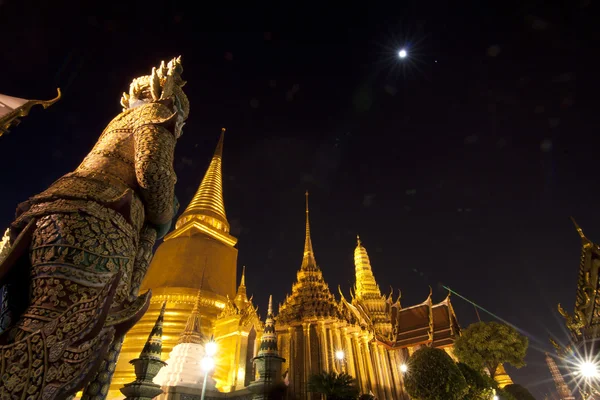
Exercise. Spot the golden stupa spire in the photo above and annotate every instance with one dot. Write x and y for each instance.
(366, 286)
(308, 259)
(206, 211)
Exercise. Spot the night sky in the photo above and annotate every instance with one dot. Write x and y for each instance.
(459, 165)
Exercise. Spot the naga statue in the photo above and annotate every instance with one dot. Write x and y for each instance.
(80, 249)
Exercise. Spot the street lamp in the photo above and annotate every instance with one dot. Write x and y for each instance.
(588, 370)
(208, 362)
(495, 398)
(340, 355)
(403, 368)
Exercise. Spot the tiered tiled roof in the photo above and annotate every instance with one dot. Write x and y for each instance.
(311, 297)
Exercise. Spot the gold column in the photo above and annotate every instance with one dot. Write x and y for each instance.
(333, 347)
(291, 360)
(350, 356)
(385, 364)
(307, 361)
(378, 370)
(396, 375)
(360, 358)
(369, 362)
(324, 348)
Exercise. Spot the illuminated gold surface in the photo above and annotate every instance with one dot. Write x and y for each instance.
(312, 326)
(199, 253)
(13, 108)
(502, 378)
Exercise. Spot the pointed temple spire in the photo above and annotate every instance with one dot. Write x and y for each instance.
(366, 286)
(207, 208)
(561, 387)
(193, 328)
(308, 260)
(147, 365)
(311, 295)
(241, 297)
(267, 362)
(268, 341)
(153, 347)
(578, 228)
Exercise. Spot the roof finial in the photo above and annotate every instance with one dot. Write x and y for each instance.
(243, 280)
(357, 239)
(270, 309)
(306, 194)
(579, 230)
(308, 260)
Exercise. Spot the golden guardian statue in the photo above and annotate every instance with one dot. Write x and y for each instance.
(80, 249)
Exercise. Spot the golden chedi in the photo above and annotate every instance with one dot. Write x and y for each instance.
(199, 254)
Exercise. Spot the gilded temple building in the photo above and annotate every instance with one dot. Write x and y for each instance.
(369, 337)
(366, 334)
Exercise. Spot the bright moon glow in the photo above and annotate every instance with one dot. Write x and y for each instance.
(339, 354)
(588, 370)
(402, 53)
(207, 364)
(403, 368)
(210, 348)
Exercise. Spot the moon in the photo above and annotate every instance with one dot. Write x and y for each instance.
(402, 53)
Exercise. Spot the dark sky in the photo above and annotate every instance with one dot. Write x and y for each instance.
(459, 165)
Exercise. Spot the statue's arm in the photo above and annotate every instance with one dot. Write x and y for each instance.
(154, 153)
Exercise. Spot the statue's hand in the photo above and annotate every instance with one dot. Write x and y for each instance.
(163, 229)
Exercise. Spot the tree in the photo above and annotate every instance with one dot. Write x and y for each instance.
(519, 392)
(334, 386)
(486, 345)
(433, 375)
(480, 386)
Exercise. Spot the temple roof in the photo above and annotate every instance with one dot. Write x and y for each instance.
(311, 297)
(424, 323)
(206, 212)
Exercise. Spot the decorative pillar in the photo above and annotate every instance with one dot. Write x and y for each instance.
(307, 361)
(362, 372)
(147, 365)
(385, 370)
(324, 348)
(350, 355)
(369, 363)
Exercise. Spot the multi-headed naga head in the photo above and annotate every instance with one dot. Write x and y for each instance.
(164, 83)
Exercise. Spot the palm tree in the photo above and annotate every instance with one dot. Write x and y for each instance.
(334, 386)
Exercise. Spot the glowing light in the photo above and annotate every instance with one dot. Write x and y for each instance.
(588, 369)
(403, 368)
(495, 398)
(207, 364)
(210, 348)
(340, 355)
(402, 53)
